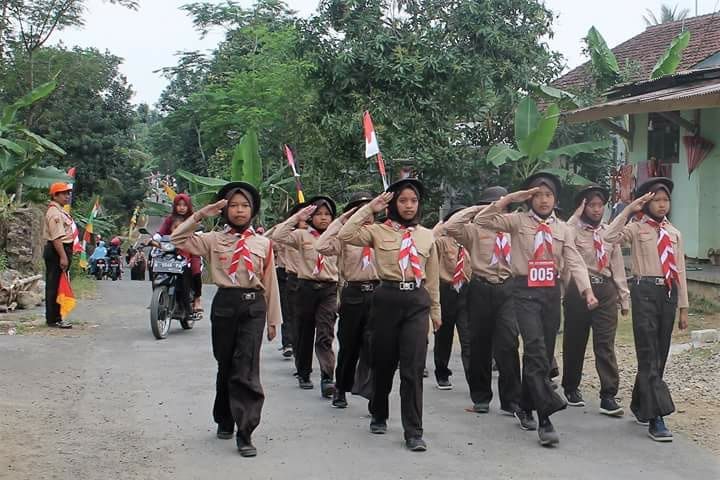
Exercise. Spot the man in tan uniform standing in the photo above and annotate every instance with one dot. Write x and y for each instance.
(58, 250)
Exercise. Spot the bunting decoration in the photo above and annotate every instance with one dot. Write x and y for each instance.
(291, 161)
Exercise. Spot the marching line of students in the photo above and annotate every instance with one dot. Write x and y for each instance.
(489, 272)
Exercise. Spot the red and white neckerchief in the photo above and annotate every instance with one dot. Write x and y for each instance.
(600, 253)
(408, 252)
(320, 259)
(366, 257)
(543, 236)
(501, 249)
(665, 251)
(241, 252)
(459, 274)
(77, 247)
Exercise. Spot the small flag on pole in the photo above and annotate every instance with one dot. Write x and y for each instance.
(87, 237)
(71, 173)
(65, 295)
(296, 175)
(371, 143)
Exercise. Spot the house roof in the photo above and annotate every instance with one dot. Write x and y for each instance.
(684, 91)
(643, 51)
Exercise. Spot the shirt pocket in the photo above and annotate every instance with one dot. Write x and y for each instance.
(386, 256)
(222, 253)
(647, 243)
(259, 257)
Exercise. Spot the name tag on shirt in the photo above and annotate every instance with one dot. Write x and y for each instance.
(541, 273)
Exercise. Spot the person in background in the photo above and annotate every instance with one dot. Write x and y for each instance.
(607, 276)
(246, 301)
(658, 290)
(57, 253)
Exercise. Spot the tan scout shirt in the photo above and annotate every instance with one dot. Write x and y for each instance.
(448, 248)
(522, 226)
(280, 254)
(218, 249)
(290, 256)
(386, 242)
(645, 257)
(58, 224)
(349, 256)
(480, 242)
(303, 242)
(615, 268)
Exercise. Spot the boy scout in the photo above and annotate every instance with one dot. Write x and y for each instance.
(58, 250)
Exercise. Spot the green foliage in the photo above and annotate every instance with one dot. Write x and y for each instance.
(670, 59)
(247, 153)
(604, 63)
(667, 14)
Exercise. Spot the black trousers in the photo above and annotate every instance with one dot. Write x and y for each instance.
(578, 321)
(653, 321)
(538, 316)
(316, 315)
(293, 284)
(400, 328)
(286, 328)
(493, 331)
(454, 313)
(237, 330)
(52, 279)
(197, 285)
(354, 315)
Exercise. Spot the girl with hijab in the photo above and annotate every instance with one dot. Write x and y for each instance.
(407, 264)
(243, 268)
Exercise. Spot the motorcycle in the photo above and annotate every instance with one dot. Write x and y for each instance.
(114, 268)
(100, 268)
(172, 293)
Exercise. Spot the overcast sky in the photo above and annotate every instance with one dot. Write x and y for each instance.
(148, 39)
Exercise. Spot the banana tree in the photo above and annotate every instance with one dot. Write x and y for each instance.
(534, 133)
(21, 149)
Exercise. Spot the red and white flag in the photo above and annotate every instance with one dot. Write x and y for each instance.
(371, 143)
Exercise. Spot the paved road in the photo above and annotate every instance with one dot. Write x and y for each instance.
(113, 403)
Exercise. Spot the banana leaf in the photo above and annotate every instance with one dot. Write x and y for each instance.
(42, 141)
(33, 96)
(501, 154)
(567, 177)
(540, 139)
(527, 118)
(602, 58)
(251, 162)
(43, 177)
(200, 180)
(575, 149)
(668, 62)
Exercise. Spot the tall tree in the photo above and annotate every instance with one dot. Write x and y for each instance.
(667, 14)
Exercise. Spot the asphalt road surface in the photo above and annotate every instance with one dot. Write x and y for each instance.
(108, 401)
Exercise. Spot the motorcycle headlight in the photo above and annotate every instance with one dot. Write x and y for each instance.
(168, 247)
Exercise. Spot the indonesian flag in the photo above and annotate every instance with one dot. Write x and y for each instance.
(291, 161)
(371, 143)
(65, 296)
(87, 237)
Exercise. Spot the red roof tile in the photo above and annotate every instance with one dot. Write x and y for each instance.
(643, 51)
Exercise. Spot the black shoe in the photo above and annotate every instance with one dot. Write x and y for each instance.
(481, 407)
(509, 411)
(246, 449)
(444, 384)
(287, 352)
(610, 407)
(225, 433)
(575, 398)
(526, 419)
(378, 427)
(339, 400)
(327, 388)
(546, 432)
(658, 431)
(305, 383)
(416, 444)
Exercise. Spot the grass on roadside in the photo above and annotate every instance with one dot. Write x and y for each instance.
(84, 287)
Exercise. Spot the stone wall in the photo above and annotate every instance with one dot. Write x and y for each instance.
(21, 239)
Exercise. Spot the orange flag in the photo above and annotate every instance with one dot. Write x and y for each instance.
(65, 296)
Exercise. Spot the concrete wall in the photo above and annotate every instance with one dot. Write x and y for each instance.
(685, 209)
(709, 177)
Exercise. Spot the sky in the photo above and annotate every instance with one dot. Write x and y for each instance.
(149, 38)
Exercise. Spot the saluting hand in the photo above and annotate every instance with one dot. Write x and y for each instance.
(518, 197)
(579, 210)
(306, 212)
(345, 216)
(380, 203)
(212, 210)
(640, 202)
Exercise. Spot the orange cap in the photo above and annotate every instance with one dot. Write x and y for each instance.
(60, 187)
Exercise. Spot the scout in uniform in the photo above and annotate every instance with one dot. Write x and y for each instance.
(407, 263)
(58, 250)
(243, 268)
(607, 276)
(357, 270)
(657, 290)
(317, 291)
(491, 312)
(455, 273)
(542, 248)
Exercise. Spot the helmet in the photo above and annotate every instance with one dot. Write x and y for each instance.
(115, 242)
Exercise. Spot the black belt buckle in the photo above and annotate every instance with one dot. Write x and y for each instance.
(407, 286)
(367, 287)
(597, 280)
(248, 296)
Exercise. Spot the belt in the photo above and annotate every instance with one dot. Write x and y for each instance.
(486, 281)
(246, 295)
(318, 285)
(368, 286)
(657, 281)
(403, 286)
(598, 280)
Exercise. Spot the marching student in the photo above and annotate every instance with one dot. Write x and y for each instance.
(543, 247)
(607, 276)
(407, 264)
(491, 312)
(657, 290)
(357, 270)
(317, 291)
(454, 264)
(243, 268)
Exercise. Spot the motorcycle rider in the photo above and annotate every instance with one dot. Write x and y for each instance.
(100, 252)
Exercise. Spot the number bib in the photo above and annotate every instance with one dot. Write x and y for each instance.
(541, 273)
